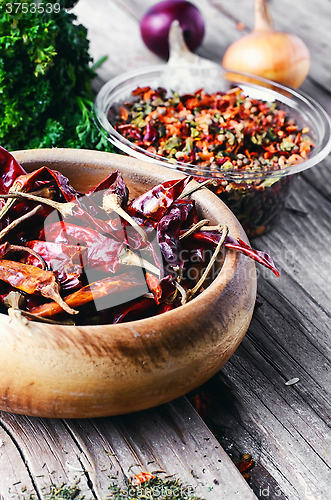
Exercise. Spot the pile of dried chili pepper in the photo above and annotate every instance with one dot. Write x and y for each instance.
(217, 134)
(99, 257)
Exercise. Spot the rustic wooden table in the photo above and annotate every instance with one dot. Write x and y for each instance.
(286, 429)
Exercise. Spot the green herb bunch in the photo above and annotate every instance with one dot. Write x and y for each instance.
(45, 81)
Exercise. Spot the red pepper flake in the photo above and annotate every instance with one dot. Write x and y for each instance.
(142, 477)
(148, 95)
(124, 114)
(140, 90)
(291, 129)
(205, 129)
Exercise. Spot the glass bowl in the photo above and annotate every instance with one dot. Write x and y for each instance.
(257, 195)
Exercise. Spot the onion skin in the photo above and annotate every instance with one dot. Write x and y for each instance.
(275, 55)
(155, 25)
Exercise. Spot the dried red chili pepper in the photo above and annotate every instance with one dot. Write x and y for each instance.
(102, 252)
(113, 183)
(31, 279)
(136, 309)
(161, 289)
(238, 245)
(7, 248)
(43, 182)
(261, 257)
(168, 230)
(10, 169)
(45, 177)
(66, 261)
(153, 204)
(112, 285)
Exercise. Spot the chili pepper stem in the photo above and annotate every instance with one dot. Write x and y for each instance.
(129, 258)
(194, 228)
(65, 209)
(10, 202)
(182, 291)
(110, 204)
(14, 301)
(39, 319)
(49, 292)
(172, 297)
(196, 188)
(25, 315)
(48, 192)
(224, 230)
(15, 223)
(210, 228)
(18, 248)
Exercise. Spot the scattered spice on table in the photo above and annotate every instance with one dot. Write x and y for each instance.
(64, 492)
(151, 488)
(154, 488)
(76, 258)
(202, 403)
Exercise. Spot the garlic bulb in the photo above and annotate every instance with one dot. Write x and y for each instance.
(277, 56)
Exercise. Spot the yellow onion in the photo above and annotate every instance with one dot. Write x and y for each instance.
(277, 56)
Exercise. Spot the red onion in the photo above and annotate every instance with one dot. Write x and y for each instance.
(156, 23)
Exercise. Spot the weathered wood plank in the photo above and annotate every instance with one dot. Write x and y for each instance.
(302, 245)
(287, 429)
(319, 178)
(48, 453)
(14, 476)
(114, 32)
(96, 453)
(171, 438)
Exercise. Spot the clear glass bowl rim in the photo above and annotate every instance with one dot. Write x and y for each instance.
(322, 123)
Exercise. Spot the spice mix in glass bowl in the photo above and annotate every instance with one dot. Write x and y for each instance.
(248, 136)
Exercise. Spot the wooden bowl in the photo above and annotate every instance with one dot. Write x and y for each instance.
(93, 371)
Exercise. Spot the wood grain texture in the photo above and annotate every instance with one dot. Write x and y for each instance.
(47, 456)
(290, 335)
(285, 428)
(171, 440)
